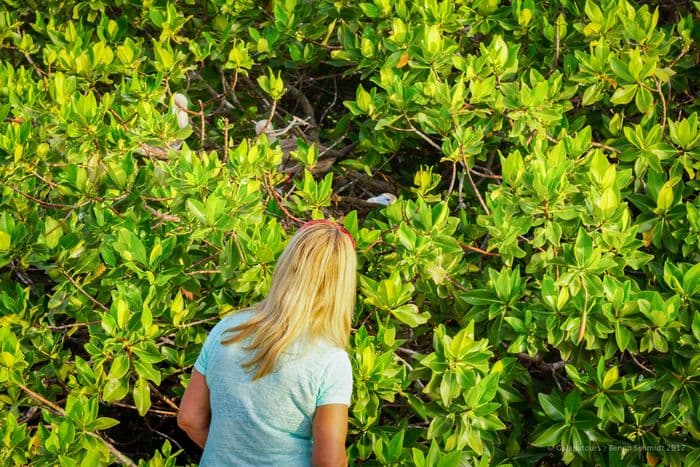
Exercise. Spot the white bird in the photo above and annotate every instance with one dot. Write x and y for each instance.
(179, 109)
(385, 199)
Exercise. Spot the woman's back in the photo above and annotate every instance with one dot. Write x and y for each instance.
(268, 421)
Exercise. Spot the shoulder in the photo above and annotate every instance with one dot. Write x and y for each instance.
(332, 356)
(229, 321)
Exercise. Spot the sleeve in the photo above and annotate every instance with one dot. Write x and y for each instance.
(203, 359)
(201, 364)
(336, 381)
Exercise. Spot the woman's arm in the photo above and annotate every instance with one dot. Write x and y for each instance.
(195, 411)
(330, 428)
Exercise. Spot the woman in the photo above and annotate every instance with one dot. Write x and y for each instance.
(272, 384)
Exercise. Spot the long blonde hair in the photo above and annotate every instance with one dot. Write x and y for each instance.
(312, 295)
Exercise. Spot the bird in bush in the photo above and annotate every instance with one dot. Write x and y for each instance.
(179, 109)
(326, 155)
(384, 199)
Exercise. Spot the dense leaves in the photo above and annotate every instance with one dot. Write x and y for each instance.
(532, 296)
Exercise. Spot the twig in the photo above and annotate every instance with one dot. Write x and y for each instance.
(537, 359)
(307, 108)
(421, 134)
(42, 203)
(201, 321)
(479, 250)
(48, 182)
(452, 180)
(116, 452)
(160, 215)
(457, 284)
(201, 125)
(72, 325)
(557, 48)
(335, 99)
(167, 413)
(280, 203)
(203, 271)
(371, 245)
(483, 175)
(639, 364)
(273, 108)
(77, 286)
(663, 105)
(476, 192)
(204, 260)
(215, 95)
(34, 65)
(605, 146)
(165, 398)
(225, 140)
(683, 52)
(584, 314)
(234, 235)
(42, 399)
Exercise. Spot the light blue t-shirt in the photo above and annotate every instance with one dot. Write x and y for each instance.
(267, 422)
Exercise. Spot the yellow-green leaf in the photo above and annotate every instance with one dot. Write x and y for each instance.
(611, 377)
(5, 241)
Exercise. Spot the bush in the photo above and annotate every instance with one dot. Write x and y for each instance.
(532, 296)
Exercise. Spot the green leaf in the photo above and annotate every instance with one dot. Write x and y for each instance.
(664, 200)
(550, 437)
(142, 396)
(408, 314)
(512, 167)
(52, 231)
(611, 377)
(549, 405)
(5, 241)
(406, 236)
(147, 371)
(644, 100)
(624, 94)
(620, 69)
(691, 281)
(104, 423)
(120, 365)
(115, 389)
(196, 208)
(608, 202)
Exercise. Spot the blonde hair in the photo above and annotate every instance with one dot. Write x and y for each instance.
(312, 295)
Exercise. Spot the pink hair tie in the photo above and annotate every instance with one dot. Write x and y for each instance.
(334, 224)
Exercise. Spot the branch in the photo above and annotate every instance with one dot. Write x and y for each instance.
(41, 202)
(478, 250)
(167, 413)
(165, 398)
(476, 192)
(663, 105)
(537, 359)
(280, 202)
(307, 108)
(160, 215)
(605, 146)
(483, 175)
(215, 95)
(115, 452)
(77, 286)
(639, 364)
(269, 119)
(419, 133)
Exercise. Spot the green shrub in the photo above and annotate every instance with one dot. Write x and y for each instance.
(532, 296)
